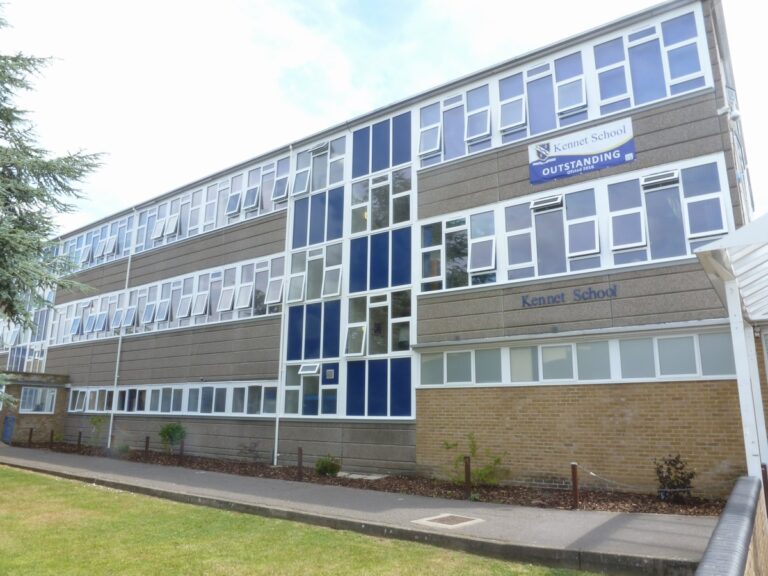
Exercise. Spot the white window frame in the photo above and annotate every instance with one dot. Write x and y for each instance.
(47, 400)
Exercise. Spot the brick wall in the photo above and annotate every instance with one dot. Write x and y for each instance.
(757, 559)
(42, 424)
(615, 430)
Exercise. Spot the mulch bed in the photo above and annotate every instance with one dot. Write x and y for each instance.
(603, 500)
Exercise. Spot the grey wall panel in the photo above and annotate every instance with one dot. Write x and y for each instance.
(674, 293)
(381, 447)
(243, 350)
(88, 363)
(667, 132)
(250, 239)
(85, 425)
(104, 278)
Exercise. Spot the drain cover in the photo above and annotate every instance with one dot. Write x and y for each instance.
(448, 521)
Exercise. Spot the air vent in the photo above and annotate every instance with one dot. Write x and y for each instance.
(661, 180)
(547, 203)
(320, 148)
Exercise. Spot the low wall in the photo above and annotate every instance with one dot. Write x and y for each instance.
(739, 544)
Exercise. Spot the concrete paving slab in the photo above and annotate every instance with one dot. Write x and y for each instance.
(619, 543)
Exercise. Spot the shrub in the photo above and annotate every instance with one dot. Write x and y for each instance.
(486, 475)
(123, 450)
(327, 466)
(97, 426)
(675, 480)
(171, 434)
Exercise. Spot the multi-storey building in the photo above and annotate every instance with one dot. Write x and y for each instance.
(509, 255)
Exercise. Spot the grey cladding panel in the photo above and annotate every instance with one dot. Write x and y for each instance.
(104, 278)
(89, 363)
(247, 350)
(673, 293)
(251, 239)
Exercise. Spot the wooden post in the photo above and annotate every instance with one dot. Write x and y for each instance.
(467, 478)
(575, 485)
(50, 441)
(79, 439)
(146, 447)
(300, 471)
(29, 440)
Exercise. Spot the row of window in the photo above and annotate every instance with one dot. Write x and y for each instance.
(219, 399)
(656, 61)
(635, 217)
(37, 400)
(237, 291)
(679, 356)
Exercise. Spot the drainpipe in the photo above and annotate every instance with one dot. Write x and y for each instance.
(283, 312)
(120, 335)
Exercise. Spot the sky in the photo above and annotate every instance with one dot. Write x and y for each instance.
(171, 91)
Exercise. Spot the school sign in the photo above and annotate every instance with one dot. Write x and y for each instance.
(583, 151)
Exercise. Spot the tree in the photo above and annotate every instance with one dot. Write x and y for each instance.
(34, 187)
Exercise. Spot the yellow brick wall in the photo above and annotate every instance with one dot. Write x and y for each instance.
(616, 430)
(42, 424)
(761, 367)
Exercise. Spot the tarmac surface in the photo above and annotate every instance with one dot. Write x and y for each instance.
(611, 542)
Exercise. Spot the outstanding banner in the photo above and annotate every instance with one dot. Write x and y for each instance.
(583, 151)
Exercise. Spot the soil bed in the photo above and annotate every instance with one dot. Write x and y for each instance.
(604, 500)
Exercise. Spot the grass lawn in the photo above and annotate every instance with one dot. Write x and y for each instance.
(50, 525)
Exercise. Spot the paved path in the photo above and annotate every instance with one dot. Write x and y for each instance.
(614, 542)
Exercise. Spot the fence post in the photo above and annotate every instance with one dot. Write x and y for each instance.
(79, 439)
(575, 485)
(181, 452)
(29, 440)
(146, 447)
(301, 464)
(467, 478)
(50, 441)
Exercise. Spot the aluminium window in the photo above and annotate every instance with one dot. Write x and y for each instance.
(355, 342)
(149, 313)
(129, 320)
(172, 225)
(226, 299)
(185, 307)
(157, 231)
(37, 400)
(274, 291)
(101, 322)
(244, 296)
(99, 252)
(110, 248)
(163, 311)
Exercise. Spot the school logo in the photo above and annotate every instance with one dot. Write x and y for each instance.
(543, 151)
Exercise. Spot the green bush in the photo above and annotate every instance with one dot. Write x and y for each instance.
(171, 434)
(327, 466)
(487, 475)
(675, 480)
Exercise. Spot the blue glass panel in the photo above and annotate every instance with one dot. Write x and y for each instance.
(380, 260)
(380, 146)
(401, 139)
(627, 229)
(517, 217)
(317, 219)
(666, 234)
(331, 322)
(295, 332)
(360, 152)
(400, 387)
(300, 215)
(312, 332)
(573, 118)
(550, 242)
(630, 257)
(477, 98)
(623, 195)
(270, 400)
(684, 61)
(310, 400)
(609, 53)
(541, 105)
(377, 387)
(678, 29)
(538, 70)
(327, 369)
(585, 263)
(580, 204)
(335, 214)
(615, 106)
(358, 264)
(356, 388)
(568, 66)
(700, 180)
(686, 86)
(430, 115)
(612, 83)
(401, 257)
(511, 86)
(330, 396)
(647, 72)
(453, 133)
(642, 34)
(705, 216)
